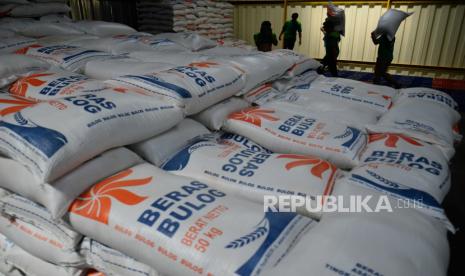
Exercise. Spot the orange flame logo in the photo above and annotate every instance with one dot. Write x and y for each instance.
(14, 105)
(24, 50)
(392, 139)
(20, 87)
(95, 203)
(205, 64)
(253, 115)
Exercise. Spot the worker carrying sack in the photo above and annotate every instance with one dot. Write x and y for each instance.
(283, 131)
(112, 262)
(390, 22)
(158, 149)
(181, 226)
(417, 162)
(337, 16)
(23, 263)
(403, 242)
(10, 104)
(70, 58)
(56, 196)
(411, 115)
(194, 87)
(53, 84)
(31, 227)
(38, 138)
(253, 173)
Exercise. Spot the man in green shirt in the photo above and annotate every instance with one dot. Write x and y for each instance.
(385, 55)
(290, 30)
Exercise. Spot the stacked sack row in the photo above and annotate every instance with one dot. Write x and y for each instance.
(210, 18)
(103, 170)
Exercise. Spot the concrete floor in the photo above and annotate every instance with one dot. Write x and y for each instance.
(454, 204)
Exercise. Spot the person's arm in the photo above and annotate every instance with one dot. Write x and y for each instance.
(275, 41)
(373, 37)
(282, 31)
(300, 34)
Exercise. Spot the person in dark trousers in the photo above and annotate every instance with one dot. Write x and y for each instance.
(290, 30)
(385, 55)
(331, 41)
(265, 39)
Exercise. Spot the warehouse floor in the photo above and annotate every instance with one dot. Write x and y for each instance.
(454, 203)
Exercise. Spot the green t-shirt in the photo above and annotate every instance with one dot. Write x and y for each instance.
(290, 29)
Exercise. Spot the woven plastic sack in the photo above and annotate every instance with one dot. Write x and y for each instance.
(302, 81)
(411, 115)
(253, 173)
(262, 94)
(70, 58)
(337, 16)
(57, 196)
(39, 9)
(417, 162)
(23, 263)
(302, 64)
(412, 244)
(176, 58)
(282, 131)
(191, 41)
(49, 148)
(390, 22)
(194, 87)
(113, 68)
(111, 262)
(102, 28)
(158, 149)
(31, 227)
(14, 66)
(215, 116)
(184, 227)
(54, 84)
(11, 44)
(41, 29)
(4, 33)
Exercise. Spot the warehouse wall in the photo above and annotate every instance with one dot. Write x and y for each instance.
(121, 11)
(434, 35)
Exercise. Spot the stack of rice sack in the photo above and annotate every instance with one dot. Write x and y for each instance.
(212, 19)
(101, 170)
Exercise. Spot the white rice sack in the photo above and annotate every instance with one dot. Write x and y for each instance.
(57, 196)
(176, 58)
(390, 22)
(184, 227)
(400, 243)
(158, 149)
(191, 41)
(15, 24)
(215, 116)
(39, 9)
(412, 115)
(260, 68)
(23, 263)
(5, 33)
(302, 64)
(302, 82)
(338, 16)
(10, 104)
(283, 131)
(14, 66)
(54, 84)
(337, 90)
(350, 114)
(102, 28)
(55, 18)
(70, 58)
(64, 39)
(11, 44)
(242, 141)
(417, 162)
(122, 44)
(194, 87)
(31, 227)
(221, 51)
(254, 173)
(112, 262)
(38, 138)
(113, 68)
(41, 29)
(262, 94)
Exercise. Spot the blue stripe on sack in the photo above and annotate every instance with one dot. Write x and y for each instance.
(81, 54)
(183, 93)
(277, 222)
(403, 191)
